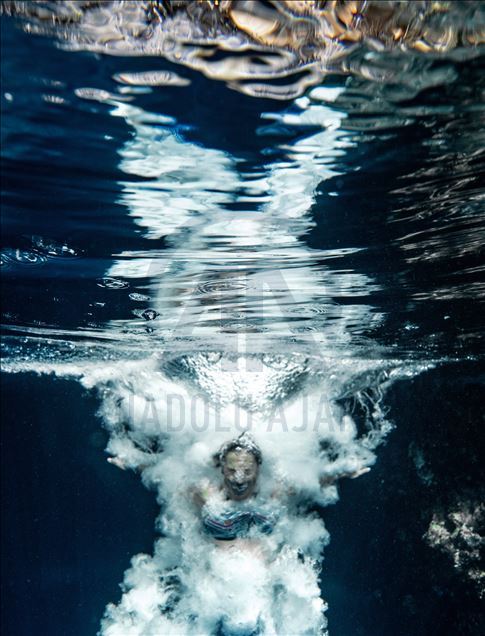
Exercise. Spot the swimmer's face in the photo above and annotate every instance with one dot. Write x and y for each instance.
(240, 470)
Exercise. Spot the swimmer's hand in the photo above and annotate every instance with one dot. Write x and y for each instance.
(121, 463)
(358, 473)
(328, 480)
(117, 461)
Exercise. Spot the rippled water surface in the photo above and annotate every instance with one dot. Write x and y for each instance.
(351, 215)
(252, 202)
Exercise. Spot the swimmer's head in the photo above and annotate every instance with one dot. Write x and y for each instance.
(239, 460)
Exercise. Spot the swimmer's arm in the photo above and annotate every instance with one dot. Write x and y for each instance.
(197, 496)
(328, 480)
(201, 493)
(119, 462)
(125, 453)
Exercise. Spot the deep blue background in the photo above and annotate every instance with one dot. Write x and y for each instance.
(70, 521)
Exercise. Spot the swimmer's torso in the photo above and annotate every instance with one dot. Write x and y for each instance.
(227, 520)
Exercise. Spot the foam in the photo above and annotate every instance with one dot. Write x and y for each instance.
(280, 591)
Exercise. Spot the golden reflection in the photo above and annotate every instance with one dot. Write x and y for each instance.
(235, 41)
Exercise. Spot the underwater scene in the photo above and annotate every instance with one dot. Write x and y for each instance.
(242, 317)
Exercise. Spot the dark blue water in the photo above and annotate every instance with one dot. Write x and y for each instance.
(406, 202)
(66, 537)
(395, 233)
